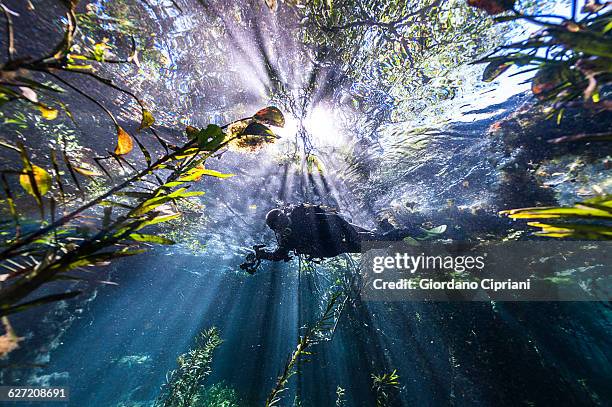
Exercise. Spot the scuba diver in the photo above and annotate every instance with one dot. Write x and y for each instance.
(317, 232)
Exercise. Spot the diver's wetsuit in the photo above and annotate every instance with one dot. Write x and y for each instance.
(319, 233)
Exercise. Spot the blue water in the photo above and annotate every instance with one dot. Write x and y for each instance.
(120, 348)
(115, 344)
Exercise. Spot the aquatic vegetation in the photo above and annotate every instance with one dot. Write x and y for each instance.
(571, 55)
(20, 75)
(218, 395)
(184, 383)
(340, 394)
(37, 252)
(67, 209)
(384, 385)
(318, 332)
(590, 219)
(137, 201)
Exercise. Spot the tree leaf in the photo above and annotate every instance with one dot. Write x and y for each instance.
(125, 144)
(549, 79)
(494, 69)
(411, 241)
(159, 219)
(584, 41)
(561, 212)
(257, 129)
(41, 177)
(503, 19)
(48, 113)
(86, 172)
(39, 301)
(270, 115)
(135, 194)
(217, 174)
(196, 173)
(210, 138)
(139, 237)
(147, 120)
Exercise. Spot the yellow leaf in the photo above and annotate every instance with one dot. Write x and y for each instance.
(76, 56)
(596, 97)
(41, 177)
(124, 142)
(86, 172)
(196, 172)
(48, 113)
(147, 120)
(74, 67)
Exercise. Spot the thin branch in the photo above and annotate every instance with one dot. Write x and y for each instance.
(11, 33)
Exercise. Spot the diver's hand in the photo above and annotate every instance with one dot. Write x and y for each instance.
(259, 250)
(253, 260)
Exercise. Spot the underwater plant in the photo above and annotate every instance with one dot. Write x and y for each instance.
(590, 219)
(318, 332)
(384, 385)
(37, 81)
(184, 383)
(340, 400)
(218, 395)
(138, 193)
(48, 248)
(572, 56)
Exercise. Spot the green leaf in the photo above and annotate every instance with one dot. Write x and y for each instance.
(605, 200)
(158, 219)
(39, 301)
(150, 239)
(196, 173)
(495, 69)
(584, 41)
(503, 19)
(147, 120)
(210, 138)
(99, 259)
(257, 129)
(173, 184)
(411, 241)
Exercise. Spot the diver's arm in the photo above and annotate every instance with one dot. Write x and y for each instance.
(279, 254)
